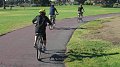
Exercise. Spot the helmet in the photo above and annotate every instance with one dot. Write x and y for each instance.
(42, 10)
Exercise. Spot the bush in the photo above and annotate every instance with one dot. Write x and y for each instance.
(76, 3)
(88, 2)
(24, 5)
(106, 5)
(35, 5)
(116, 5)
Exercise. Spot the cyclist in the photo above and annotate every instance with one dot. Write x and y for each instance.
(52, 13)
(40, 27)
(80, 10)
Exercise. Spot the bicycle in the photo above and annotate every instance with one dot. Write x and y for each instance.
(80, 16)
(52, 19)
(39, 46)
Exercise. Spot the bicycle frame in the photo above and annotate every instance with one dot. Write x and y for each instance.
(52, 19)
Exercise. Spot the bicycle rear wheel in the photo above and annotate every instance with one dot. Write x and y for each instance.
(38, 55)
(79, 19)
(39, 48)
(53, 21)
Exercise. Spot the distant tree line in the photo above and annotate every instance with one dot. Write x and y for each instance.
(22, 3)
(103, 3)
(17, 2)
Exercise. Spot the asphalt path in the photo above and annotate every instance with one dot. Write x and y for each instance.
(16, 48)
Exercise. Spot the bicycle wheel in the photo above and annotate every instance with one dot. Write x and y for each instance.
(79, 19)
(51, 27)
(53, 21)
(39, 47)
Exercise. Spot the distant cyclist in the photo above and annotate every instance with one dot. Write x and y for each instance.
(52, 14)
(40, 27)
(80, 10)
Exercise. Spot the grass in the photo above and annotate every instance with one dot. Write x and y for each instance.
(19, 17)
(86, 52)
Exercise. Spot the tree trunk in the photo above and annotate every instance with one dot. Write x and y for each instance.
(4, 7)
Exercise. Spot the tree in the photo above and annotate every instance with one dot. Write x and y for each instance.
(80, 1)
(118, 1)
(44, 2)
(105, 3)
(1, 3)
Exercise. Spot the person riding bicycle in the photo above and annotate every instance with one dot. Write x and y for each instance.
(40, 27)
(80, 10)
(52, 13)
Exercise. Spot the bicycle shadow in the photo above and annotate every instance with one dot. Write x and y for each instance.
(50, 62)
(56, 57)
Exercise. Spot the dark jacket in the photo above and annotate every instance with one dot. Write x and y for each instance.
(41, 23)
(80, 9)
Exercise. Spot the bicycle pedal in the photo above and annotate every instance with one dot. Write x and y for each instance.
(41, 50)
(35, 46)
(54, 24)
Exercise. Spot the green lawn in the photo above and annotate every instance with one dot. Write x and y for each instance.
(84, 51)
(19, 17)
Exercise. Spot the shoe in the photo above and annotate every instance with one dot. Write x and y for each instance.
(54, 25)
(44, 48)
(50, 27)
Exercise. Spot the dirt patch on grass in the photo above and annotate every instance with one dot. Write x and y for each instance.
(109, 32)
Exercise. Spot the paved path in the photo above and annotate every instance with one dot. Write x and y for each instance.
(16, 48)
